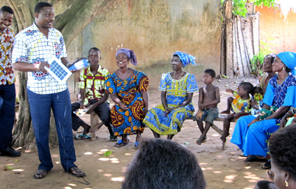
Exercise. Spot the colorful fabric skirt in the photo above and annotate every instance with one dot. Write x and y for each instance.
(169, 125)
(129, 121)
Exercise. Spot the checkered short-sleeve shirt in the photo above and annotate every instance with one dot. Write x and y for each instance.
(33, 47)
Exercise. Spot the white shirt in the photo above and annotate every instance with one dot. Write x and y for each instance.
(33, 47)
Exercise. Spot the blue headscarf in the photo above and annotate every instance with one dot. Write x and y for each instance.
(130, 54)
(289, 59)
(185, 58)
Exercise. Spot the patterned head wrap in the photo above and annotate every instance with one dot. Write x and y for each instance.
(130, 54)
(289, 59)
(185, 58)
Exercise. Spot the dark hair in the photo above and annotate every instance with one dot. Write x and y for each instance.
(40, 5)
(95, 49)
(282, 149)
(271, 56)
(265, 184)
(211, 72)
(257, 88)
(247, 86)
(288, 69)
(6, 9)
(163, 164)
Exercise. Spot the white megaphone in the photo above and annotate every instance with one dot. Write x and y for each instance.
(79, 65)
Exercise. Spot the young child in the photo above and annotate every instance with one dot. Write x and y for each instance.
(240, 105)
(209, 97)
(257, 100)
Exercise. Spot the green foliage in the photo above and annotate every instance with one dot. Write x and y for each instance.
(268, 3)
(239, 6)
(258, 59)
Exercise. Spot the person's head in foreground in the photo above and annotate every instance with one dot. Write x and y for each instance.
(163, 164)
(265, 184)
(283, 157)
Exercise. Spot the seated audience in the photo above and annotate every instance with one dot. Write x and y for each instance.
(250, 132)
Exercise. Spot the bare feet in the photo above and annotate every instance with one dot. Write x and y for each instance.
(86, 129)
(225, 112)
(223, 137)
(201, 140)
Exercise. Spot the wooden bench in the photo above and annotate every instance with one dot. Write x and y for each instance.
(216, 128)
(95, 124)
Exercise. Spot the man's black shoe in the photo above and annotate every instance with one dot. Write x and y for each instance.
(10, 152)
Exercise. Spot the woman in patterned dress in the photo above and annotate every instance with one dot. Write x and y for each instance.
(129, 91)
(177, 89)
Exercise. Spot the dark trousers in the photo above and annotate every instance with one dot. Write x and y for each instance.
(7, 114)
(40, 106)
(102, 110)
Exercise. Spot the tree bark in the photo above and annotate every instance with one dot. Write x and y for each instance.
(229, 38)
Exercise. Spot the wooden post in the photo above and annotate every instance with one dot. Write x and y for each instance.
(256, 33)
(95, 124)
(229, 39)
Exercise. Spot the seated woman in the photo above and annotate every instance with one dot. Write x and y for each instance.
(262, 84)
(128, 89)
(268, 73)
(177, 89)
(250, 132)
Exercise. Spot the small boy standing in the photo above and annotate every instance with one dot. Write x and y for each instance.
(240, 105)
(209, 97)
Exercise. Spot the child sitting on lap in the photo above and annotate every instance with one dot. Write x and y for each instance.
(257, 101)
(240, 105)
(209, 97)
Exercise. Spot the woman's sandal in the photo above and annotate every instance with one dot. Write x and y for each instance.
(254, 158)
(76, 172)
(120, 143)
(266, 165)
(82, 137)
(113, 138)
(40, 173)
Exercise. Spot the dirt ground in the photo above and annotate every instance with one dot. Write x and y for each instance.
(222, 169)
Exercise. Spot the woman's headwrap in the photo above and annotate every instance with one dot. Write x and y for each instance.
(289, 59)
(185, 58)
(130, 55)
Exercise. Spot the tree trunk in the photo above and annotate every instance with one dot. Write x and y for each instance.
(229, 38)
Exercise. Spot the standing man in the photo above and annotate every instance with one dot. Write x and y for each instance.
(7, 80)
(34, 47)
(93, 91)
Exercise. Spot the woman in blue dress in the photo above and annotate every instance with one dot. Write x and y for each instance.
(177, 89)
(128, 89)
(250, 132)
